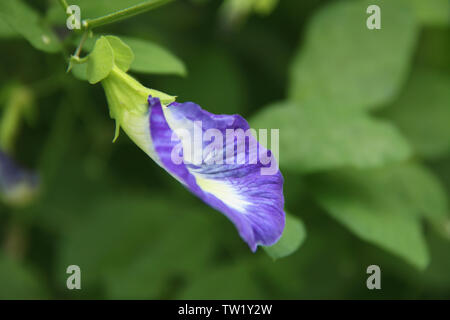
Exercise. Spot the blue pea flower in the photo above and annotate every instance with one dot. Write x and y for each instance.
(237, 177)
(17, 186)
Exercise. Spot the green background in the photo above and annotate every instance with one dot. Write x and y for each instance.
(364, 119)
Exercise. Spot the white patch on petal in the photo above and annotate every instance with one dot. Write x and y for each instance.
(193, 141)
(223, 191)
(220, 189)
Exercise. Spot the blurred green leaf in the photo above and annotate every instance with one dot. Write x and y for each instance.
(422, 112)
(314, 138)
(431, 12)
(235, 280)
(216, 82)
(115, 229)
(124, 236)
(420, 187)
(265, 6)
(18, 281)
(381, 206)
(181, 252)
(24, 20)
(152, 58)
(123, 55)
(100, 61)
(293, 236)
(6, 31)
(148, 57)
(434, 49)
(343, 62)
(79, 71)
(437, 275)
(234, 11)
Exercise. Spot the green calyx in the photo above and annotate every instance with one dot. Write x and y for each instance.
(108, 63)
(126, 96)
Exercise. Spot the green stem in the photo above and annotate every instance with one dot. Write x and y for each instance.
(81, 44)
(123, 14)
(64, 4)
(19, 100)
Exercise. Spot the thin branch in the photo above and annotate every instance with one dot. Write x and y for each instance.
(123, 14)
(64, 4)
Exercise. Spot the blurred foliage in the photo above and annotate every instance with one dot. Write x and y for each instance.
(364, 150)
(327, 138)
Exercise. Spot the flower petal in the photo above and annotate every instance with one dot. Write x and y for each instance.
(251, 200)
(17, 186)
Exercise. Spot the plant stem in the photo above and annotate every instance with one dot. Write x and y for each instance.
(82, 41)
(19, 100)
(64, 4)
(123, 14)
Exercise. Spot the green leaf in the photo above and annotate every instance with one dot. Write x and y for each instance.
(431, 12)
(100, 62)
(226, 94)
(293, 236)
(18, 281)
(422, 113)
(152, 58)
(25, 21)
(313, 138)
(6, 31)
(123, 55)
(144, 56)
(381, 206)
(344, 63)
(422, 189)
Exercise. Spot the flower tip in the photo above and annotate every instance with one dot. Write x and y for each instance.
(117, 132)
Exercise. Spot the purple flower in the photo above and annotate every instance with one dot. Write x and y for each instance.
(17, 186)
(239, 178)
